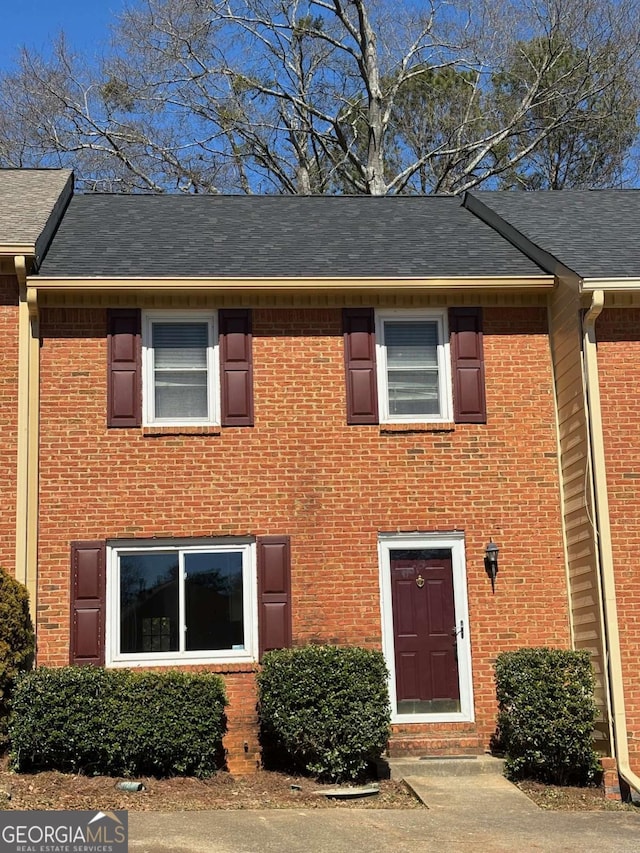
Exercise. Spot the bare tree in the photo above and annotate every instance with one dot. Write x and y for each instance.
(315, 96)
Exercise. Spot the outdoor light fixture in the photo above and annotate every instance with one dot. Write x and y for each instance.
(491, 563)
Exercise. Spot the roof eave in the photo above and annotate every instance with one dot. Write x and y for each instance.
(61, 284)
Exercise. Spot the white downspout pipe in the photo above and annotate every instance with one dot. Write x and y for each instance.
(603, 528)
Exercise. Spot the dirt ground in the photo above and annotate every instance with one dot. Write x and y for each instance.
(263, 790)
(560, 798)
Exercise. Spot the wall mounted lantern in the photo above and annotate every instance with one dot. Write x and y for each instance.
(491, 563)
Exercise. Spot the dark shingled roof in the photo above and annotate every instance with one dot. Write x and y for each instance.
(273, 236)
(596, 233)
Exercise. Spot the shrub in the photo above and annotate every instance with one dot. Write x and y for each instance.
(16, 642)
(546, 715)
(118, 722)
(323, 710)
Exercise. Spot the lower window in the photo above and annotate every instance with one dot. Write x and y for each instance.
(179, 602)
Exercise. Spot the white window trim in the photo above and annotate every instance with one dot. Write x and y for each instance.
(444, 366)
(454, 541)
(213, 366)
(249, 654)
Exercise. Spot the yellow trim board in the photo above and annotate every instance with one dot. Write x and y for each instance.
(607, 574)
(14, 249)
(399, 284)
(22, 491)
(26, 557)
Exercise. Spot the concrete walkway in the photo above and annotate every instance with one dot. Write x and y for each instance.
(483, 814)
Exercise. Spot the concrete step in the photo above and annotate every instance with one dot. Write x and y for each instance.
(455, 765)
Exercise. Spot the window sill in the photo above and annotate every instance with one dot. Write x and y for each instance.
(197, 663)
(433, 426)
(151, 431)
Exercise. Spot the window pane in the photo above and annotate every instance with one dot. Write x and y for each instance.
(411, 344)
(214, 601)
(181, 395)
(148, 603)
(413, 392)
(420, 554)
(180, 345)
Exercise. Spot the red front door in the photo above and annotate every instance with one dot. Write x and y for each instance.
(424, 628)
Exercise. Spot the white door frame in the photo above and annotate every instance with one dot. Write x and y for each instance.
(454, 541)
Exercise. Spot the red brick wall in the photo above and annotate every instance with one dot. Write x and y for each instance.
(618, 334)
(302, 471)
(8, 418)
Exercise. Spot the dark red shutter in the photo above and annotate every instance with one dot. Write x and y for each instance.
(88, 592)
(360, 365)
(467, 362)
(124, 388)
(274, 592)
(236, 367)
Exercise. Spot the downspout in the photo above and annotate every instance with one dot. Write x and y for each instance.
(28, 430)
(603, 528)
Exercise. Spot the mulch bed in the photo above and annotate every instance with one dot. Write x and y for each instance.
(559, 798)
(263, 790)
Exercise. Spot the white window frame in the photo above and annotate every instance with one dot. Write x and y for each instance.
(249, 653)
(455, 542)
(213, 367)
(443, 360)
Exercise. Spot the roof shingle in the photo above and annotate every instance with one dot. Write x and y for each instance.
(277, 236)
(30, 201)
(593, 232)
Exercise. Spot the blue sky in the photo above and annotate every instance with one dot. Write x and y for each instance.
(36, 23)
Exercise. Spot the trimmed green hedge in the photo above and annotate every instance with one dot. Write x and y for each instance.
(17, 642)
(118, 722)
(546, 715)
(323, 710)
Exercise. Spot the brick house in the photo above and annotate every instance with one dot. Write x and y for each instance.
(588, 239)
(307, 417)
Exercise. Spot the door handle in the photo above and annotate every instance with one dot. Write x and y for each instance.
(458, 631)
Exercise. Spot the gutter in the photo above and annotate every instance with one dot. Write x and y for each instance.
(620, 284)
(603, 528)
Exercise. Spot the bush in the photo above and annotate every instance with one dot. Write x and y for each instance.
(118, 722)
(17, 642)
(546, 715)
(323, 710)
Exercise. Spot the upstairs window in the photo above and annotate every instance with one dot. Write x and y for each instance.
(180, 366)
(413, 367)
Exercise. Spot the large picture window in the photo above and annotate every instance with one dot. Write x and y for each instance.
(181, 602)
(180, 364)
(414, 382)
